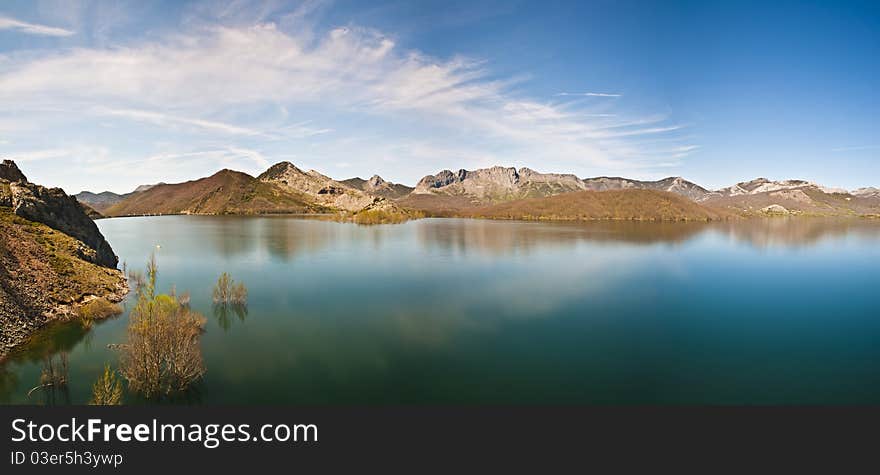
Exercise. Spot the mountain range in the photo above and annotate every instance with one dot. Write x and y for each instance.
(284, 188)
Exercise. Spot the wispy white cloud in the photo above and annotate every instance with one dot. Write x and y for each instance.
(34, 155)
(7, 23)
(216, 81)
(160, 118)
(589, 94)
(302, 130)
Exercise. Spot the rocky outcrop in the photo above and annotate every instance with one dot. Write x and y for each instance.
(377, 186)
(54, 208)
(498, 184)
(9, 171)
(775, 210)
(53, 259)
(677, 185)
(43, 278)
(322, 189)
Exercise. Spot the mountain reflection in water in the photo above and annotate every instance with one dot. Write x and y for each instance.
(472, 311)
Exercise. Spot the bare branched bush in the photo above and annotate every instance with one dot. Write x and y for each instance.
(163, 353)
(239, 294)
(222, 290)
(107, 390)
(227, 291)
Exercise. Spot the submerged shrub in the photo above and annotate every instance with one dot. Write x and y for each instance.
(107, 390)
(227, 291)
(163, 353)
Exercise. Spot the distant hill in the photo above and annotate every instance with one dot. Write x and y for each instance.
(225, 192)
(284, 188)
(321, 190)
(765, 197)
(101, 201)
(629, 204)
(800, 201)
(378, 187)
(676, 185)
(500, 184)
(497, 184)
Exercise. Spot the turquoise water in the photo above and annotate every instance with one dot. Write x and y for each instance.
(467, 311)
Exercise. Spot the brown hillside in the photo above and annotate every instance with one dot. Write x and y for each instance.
(640, 205)
(43, 277)
(438, 205)
(225, 192)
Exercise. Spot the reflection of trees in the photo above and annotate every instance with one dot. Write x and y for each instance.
(233, 235)
(802, 231)
(505, 237)
(8, 383)
(51, 340)
(53, 381)
(225, 312)
(285, 238)
(45, 347)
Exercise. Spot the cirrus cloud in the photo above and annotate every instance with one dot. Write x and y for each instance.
(218, 80)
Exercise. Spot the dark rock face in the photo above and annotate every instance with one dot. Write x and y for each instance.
(441, 179)
(52, 207)
(10, 172)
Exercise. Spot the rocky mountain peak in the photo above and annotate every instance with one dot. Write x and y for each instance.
(324, 190)
(376, 181)
(9, 171)
(280, 169)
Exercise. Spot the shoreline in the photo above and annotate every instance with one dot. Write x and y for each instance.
(731, 218)
(20, 334)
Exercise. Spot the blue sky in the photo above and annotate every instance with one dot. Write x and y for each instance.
(109, 95)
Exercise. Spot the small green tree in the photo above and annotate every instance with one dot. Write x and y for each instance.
(107, 390)
(163, 352)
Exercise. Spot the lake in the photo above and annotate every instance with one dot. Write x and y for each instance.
(467, 311)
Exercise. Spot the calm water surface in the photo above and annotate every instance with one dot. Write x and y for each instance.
(462, 311)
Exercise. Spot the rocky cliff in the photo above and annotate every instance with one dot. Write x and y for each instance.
(54, 208)
(497, 184)
(53, 259)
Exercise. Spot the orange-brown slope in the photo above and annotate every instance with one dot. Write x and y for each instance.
(642, 205)
(225, 192)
